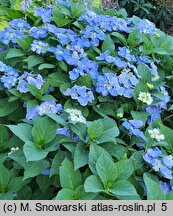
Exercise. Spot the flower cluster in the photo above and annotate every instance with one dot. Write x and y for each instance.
(29, 78)
(9, 77)
(133, 127)
(85, 67)
(39, 47)
(75, 116)
(80, 93)
(155, 134)
(145, 97)
(159, 162)
(114, 85)
(43, 109)
(38, 33)
(13, 149)
(25, 4)
(19, 24)
(45, 13)
(10, 35)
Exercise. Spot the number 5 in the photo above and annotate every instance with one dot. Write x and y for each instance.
(164, 207)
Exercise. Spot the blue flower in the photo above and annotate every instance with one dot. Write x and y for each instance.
(46, 172)
(166, 187)
(25, 5)
(10, 35)
(49, 107)
(85, 67)
(146, 27)
(103, 56)
(29, 78)
(80, 93)
(132, 126)
(38, 33)
(19, 24)
(64, 2)
(166, 173)
(95, 34)
(168, 161)
(154, 152)
(45, 13)
(9, 77)
(31, 112)
(154, 112)
(43, 109)
(125, 53)
(39, 47)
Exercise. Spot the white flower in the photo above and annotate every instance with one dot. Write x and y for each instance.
(13, 150)
(75, 116)
(155, 134)
(145, 97)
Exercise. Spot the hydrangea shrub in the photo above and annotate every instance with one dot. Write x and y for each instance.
(85, 106)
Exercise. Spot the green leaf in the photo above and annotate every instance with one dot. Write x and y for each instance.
(34, 60)
(80, 156)
(65, 194)
(44, 131)
(4, 178)
(32, 153)
(144, 72)
(124, 169)
(167, 131)
(94, 154)
(120, 37)
(143, 116)
(46, 66)
(13, 53)
(154, 191)
(43, 182)
(93, 184)
(33, 169)
(57, 79)
(95, 130)
(16, 184)
(106, 170)
(123, 189)
(56, 163)
(80, 129)
(68, 177)
(169, 196)
(22, 130)
(7, 108)
(25, 43)
(110, 130)
(108, 44)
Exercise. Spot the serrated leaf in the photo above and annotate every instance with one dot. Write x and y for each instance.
(80, 156)
(124, 188)
(33, 169)
(154, 191)
(22, 130)
(93, 184)
(32, 153)
(44, 131)
(106, 170)
(68, 177)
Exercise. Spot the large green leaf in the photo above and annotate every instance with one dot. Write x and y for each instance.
(93, 184)
(6, 107)
(80, 156)
(154, 191)
(123, 189)
(32, 153)
(22, 130)
(69, 178)
(108, 44)
(44, 131)
(106, 170)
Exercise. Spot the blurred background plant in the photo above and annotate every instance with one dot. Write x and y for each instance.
(158, 11)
